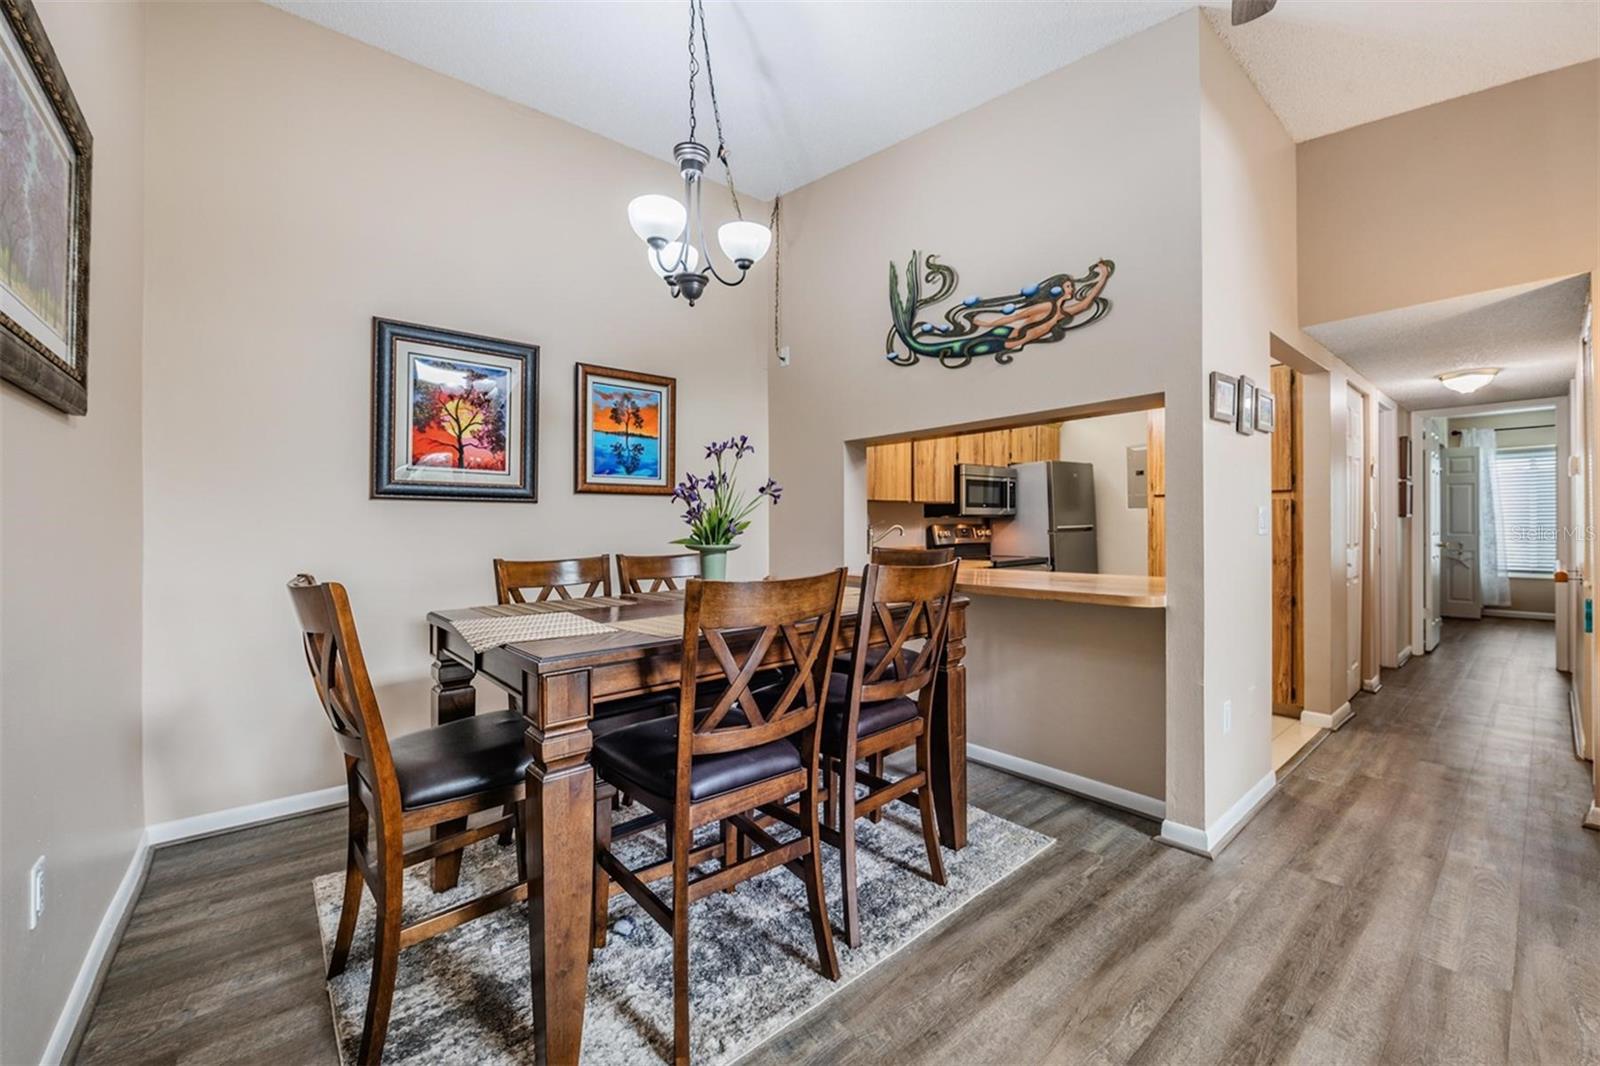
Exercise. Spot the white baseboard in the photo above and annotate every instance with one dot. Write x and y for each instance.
(1373, 683)
(1403, 658)
(202, 825)
(1579, 747)
(80, 998)
(1328, 721)
(1088, 787)
(82, 994)
(1503, 612)
(1210, 841)
(1592, 819)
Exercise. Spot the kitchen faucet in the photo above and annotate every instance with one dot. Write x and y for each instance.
(872, 541)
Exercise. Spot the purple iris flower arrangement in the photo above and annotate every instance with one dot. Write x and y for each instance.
(713, 507)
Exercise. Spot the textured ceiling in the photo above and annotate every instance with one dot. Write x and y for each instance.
(1530, 331)
(1327, 65)
(808, 87)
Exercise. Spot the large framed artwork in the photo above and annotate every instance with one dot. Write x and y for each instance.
(45, 152)
(454, 415)
(627, 427)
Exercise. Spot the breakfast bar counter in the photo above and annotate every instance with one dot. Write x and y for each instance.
(1103, 590)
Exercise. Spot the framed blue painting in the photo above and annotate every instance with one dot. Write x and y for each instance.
(627, 427)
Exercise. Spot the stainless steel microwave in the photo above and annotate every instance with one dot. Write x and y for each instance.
(985, 491)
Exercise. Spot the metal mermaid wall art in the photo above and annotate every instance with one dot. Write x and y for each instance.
(997, 326)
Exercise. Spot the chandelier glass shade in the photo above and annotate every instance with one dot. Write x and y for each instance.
(674, 230)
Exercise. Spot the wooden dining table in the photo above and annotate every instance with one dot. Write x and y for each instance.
(557, 682)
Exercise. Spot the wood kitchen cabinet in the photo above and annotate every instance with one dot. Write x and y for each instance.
(1155, 480)
(933, 470)
(889, 472)
(925, 469)
(1031, 444)
(992, 448)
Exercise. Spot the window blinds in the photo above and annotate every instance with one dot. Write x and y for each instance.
(1525, 495)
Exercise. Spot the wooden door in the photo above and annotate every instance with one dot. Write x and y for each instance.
(933, 470)
(1355, 486)
(1285, 469)
(1286, 654)
(1432, 619)
(1461, 593)
(889, 472)
(1155, 481)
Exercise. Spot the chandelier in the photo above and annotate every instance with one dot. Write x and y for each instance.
(676, 232)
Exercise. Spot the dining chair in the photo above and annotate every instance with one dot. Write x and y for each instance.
(663, 572)
(895, 557)
(551, 578)
(870, 713)
(913, 556)
(417, 781)
(748, 751)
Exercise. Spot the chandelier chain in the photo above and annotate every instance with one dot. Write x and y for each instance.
(716, 111)
(694, 67)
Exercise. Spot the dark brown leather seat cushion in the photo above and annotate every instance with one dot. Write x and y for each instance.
(458, 759)
(875, 717)
(841, 661)
(644, 757)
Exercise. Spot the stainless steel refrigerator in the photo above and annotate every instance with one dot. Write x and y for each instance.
(1055, 517)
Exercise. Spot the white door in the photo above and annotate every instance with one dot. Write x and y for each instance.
(1462, 593)
(1355, 528)
(1433, 624)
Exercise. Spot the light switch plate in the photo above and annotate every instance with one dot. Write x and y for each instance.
(1263, 521)
(783, 356)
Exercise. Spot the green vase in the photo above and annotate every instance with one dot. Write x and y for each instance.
(713, 560)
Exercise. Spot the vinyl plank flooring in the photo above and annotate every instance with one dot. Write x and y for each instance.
(1417, 890)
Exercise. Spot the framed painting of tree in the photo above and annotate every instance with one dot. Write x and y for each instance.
(45, 150)
(627, 426)
(454, 415)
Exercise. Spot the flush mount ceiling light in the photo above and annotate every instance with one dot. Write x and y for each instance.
(676, 232)
(1464, 381)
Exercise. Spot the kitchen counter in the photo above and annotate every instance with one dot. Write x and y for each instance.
(1106, 590)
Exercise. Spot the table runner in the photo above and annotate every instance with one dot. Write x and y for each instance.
(513, 623)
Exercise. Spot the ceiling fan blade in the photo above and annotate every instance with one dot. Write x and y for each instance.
(1246, 10)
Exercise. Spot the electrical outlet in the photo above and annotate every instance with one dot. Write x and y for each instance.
(36, 893)
(1227, 716)
(783, 356)
(1263, 521)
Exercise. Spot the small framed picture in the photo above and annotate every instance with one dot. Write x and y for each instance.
(627, 425)
(1266, 411)
(1246, 422)
(1224, 397)
(454, 415)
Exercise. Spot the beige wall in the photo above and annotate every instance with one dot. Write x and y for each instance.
(69, 574)
(1249, 167)
(1464, 196)
(1247, 246)
(1123, 184)
(300, 183)
(1121, 532)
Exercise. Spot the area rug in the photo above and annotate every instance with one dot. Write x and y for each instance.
(463, 997)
